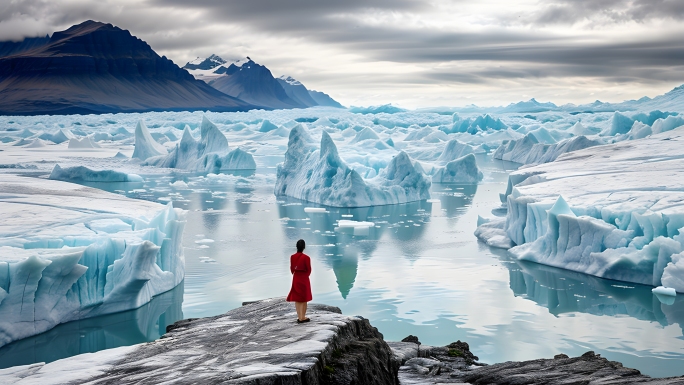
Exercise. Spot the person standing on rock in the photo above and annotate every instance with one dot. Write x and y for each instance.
(300, 293)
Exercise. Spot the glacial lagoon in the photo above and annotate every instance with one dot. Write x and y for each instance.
(419, 270)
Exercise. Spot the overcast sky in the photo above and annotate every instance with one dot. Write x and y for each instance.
(405, 52)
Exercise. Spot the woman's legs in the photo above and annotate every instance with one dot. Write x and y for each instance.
(298, 307)
(301, 310)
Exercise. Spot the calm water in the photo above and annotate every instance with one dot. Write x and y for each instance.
(419, 271)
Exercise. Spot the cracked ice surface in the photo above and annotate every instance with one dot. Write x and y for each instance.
(69, 252)
(613, 211)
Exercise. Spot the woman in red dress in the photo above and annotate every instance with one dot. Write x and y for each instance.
(300, 294)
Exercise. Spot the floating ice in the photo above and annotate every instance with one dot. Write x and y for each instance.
(664, 291)
(315, 210)
(145, 145)
(84, 174)
(321, 176)
(461, 170)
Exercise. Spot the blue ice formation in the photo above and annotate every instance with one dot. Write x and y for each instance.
(145, 145)
(461, 170)
(321, 176)
(210, 154)
(85, 174)
(105, 264)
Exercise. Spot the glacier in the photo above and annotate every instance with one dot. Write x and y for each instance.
(321, 176)
(210, 154)
(69, 252)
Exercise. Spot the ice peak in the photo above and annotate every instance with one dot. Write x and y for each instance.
(328, 147)
(561, 207)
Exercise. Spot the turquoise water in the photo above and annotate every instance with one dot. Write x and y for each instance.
(418, 271)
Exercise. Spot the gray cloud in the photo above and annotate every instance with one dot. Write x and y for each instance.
(498, 49)
(616, 11)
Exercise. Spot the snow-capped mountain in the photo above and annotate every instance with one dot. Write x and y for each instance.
(94, 67)
(211, 62)
(254, 83)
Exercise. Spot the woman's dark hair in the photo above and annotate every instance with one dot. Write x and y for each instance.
(301, 245)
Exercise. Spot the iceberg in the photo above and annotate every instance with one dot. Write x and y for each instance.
(604, 211)
(321, 176)
(85, 174)
(145, 145)
(210, 154)
(454, 149)
(461, 170)
(73, 252)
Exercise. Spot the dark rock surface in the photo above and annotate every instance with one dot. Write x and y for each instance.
(455, 364)
(95, 67)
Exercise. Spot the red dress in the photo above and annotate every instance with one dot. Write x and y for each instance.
(300, 267)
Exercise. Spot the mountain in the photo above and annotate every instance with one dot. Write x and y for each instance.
(254, 84)
(14, 47)
(296, 91)
(94, 67)
(531, 105)
(323, 99)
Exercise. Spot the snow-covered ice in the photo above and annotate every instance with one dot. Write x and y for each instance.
(461, 170)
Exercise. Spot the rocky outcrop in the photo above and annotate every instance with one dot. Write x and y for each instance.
(455, 364)
(258, 343)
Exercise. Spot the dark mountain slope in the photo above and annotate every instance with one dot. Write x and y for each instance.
(94, 68)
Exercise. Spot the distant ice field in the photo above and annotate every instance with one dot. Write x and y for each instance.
(411, 268)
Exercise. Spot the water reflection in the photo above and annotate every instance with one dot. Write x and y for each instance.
(562, 291)
(144, 324)
(341, 248)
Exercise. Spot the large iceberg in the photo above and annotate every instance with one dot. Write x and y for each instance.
(210, 154)
(612, 211)
(321, 176)
(85, 174)
(72, 252)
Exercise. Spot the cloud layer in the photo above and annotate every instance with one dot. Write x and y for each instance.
(415, 53)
